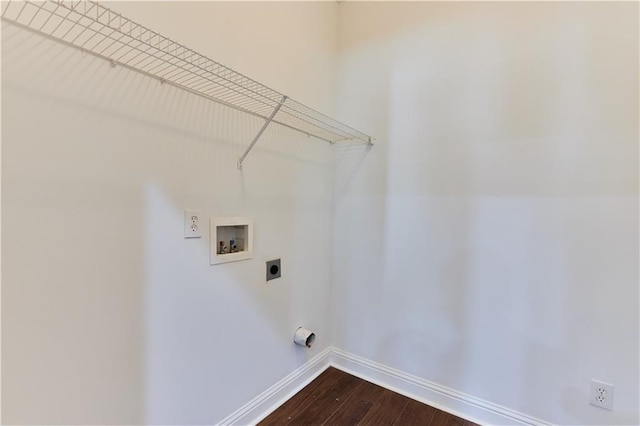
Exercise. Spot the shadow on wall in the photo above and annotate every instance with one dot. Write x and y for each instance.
(349, 157)
(146, 331)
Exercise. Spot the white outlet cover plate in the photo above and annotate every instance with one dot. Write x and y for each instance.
(193, 224)
(601, 394)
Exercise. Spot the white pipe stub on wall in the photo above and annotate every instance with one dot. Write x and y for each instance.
(304, 337)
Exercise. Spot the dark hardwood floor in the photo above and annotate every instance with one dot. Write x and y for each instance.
(338, 398)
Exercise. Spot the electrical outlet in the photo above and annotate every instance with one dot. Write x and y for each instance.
(273, 269)
(601, 394)
(192, 224)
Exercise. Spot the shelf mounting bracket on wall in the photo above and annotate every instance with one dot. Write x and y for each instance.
(261, 131)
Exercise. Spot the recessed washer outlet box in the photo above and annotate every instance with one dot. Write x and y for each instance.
(231, 239)
(273, 269)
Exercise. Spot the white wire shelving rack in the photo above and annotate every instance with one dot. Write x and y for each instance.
(99, 31)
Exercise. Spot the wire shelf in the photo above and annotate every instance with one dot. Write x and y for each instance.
(97, 30)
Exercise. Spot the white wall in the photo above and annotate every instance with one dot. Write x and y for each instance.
(489, 241)
(109, 316)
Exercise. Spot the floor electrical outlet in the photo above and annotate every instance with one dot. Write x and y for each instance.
(601, 394)
(192, 224)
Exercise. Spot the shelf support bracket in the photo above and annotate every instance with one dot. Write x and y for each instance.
(260, 132)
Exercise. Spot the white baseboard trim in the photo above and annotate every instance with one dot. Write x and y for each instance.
(265, 403)
(446, 399)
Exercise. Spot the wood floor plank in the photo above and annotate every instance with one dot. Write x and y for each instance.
(416, 413)
(336, 398)
(350, 413)
(445, 419)
(328, 402)
(386, 409)
(303, 399)
(357, 406)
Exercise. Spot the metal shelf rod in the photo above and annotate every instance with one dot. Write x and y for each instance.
(260, 132)
(99, 31)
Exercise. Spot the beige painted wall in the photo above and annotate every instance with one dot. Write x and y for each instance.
(489, 241)
(109, 316)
